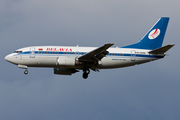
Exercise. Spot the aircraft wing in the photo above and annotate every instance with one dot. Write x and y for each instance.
(96, 54)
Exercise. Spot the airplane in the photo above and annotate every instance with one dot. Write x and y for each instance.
(67, 60)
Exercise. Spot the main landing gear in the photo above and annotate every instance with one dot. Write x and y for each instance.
(26, 72)
(86, 73)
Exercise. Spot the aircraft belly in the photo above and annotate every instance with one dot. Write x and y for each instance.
(122, 62)
(114, 62)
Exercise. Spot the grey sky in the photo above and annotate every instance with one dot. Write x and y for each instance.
(148, 91)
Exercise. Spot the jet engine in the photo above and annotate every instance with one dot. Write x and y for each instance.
(65, 61)
(64, 71)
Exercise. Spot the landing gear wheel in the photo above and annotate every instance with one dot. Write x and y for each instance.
(85, 75)
(26, 72)
(87, 71)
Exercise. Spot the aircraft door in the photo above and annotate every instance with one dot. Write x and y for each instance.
(133, 55)
(32, 54)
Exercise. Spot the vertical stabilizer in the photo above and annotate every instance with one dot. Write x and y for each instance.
(154, 37)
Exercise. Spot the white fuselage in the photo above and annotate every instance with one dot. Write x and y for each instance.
(67, 57)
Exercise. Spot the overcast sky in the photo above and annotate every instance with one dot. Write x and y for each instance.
(145, 92)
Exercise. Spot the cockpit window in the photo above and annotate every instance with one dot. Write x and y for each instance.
(17, 51)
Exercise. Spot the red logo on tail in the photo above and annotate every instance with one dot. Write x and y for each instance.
(154, 34)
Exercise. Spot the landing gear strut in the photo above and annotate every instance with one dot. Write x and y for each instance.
(26, 72)
(86, 72)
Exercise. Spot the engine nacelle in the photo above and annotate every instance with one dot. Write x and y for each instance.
(64, 71)
(65, 61)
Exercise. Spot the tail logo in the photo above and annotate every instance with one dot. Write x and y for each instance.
(154, 34)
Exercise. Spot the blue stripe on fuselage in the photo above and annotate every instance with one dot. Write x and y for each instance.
(82, 53)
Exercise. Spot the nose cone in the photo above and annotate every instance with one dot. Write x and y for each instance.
(9, 58)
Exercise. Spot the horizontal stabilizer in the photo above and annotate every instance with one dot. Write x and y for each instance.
(161, 50)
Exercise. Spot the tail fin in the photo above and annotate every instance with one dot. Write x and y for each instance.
(154, 37)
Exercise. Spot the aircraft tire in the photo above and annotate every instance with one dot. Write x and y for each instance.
(85, 75)
(25, 72)
(87, 71)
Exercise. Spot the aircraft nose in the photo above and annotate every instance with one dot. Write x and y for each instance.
(8, 58)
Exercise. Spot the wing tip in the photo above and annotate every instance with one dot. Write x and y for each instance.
(109, 44)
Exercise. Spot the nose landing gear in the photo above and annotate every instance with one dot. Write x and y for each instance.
(24, 67)
(26, 72)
